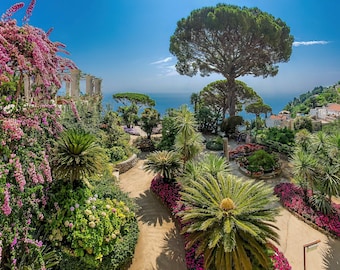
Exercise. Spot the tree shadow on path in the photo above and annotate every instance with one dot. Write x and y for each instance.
(173, 254)
(331, 259)
(151, 211)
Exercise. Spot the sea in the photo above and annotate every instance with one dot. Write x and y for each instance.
(164, 101)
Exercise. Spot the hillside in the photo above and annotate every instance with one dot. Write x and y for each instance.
(318, 97)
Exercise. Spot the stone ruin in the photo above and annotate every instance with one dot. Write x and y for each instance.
(93, 85)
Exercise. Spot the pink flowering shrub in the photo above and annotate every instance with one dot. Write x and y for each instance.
(169, 194)
(27, 130)
(25, 175)
(291, 197)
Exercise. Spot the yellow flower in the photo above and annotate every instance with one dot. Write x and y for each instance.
(92, 224)
(227, 204)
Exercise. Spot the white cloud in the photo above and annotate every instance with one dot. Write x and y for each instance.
(162, 61)
(166, 67)
(308, 43)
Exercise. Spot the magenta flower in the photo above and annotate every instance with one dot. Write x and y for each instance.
(6, 207)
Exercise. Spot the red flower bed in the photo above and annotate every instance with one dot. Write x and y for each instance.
(169, 195)
(244, 149)
(291, 197)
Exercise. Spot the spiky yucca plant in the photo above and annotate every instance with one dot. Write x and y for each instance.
(231, 220)
(164, 163)
(77, 155)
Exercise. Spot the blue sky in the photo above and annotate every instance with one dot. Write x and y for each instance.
(126, 43)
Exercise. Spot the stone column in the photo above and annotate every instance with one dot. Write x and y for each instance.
(68, 88)
(75, 77)
(27, 86)
(225, 148)
(89, 85)
(97, 86)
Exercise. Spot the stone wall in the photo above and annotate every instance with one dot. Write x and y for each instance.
(127, 164)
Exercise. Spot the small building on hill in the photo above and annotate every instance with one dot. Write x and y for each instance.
(282, 119)
(327, 113)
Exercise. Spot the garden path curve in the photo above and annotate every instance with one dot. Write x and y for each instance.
(159, 246)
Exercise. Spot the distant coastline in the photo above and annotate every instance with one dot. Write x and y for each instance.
(165, 101)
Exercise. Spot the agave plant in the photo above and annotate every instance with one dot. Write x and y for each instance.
(77, 155)
(164, 163)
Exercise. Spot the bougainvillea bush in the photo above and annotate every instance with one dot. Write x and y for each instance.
(24, 176)
(292, 197)
(169, 194)
(27, 128)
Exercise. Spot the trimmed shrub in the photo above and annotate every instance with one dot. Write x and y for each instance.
(216, 144)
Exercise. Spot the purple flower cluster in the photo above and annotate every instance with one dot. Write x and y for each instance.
(131, 131)
(169, 194)
(291, 196)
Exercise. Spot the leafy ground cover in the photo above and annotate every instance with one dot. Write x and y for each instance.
(169, 194)
(291, 197)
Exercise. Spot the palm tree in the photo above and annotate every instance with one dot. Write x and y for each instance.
(210, 163)
(77, 155)
(231, 221)
(185, 121)
(303, 138)
(189, 146)
(164, 163)
(214, 164)
(188, 141)
(304, 168)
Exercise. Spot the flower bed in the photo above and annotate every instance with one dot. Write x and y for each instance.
(168, 193)
(131, 131)
(291, 197)
(260, 164)
(244, 150)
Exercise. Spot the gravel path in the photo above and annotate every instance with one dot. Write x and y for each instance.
(159, 244)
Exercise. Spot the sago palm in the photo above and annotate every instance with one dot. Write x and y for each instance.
(77, 155)
(231, 220)
(164, 163)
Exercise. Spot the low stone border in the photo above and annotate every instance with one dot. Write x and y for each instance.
(262, 176)
(126, 165)
(312, 224)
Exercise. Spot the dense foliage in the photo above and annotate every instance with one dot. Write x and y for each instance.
(316, 167)
(88, 228)
(318, 97)
(281, 135)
